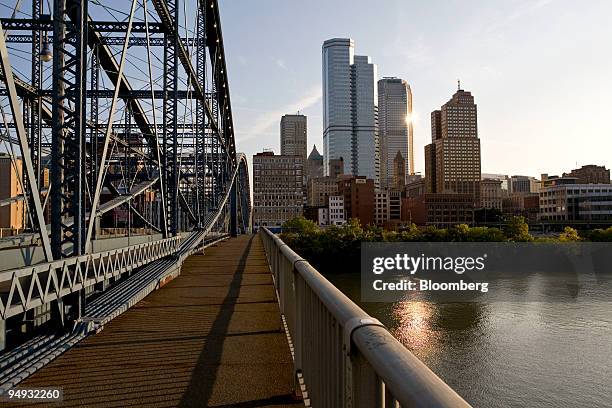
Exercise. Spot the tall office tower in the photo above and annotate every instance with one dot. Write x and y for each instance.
(452, 160)
(395, 131)
(349, 110)
(293, 136)
(278, 194)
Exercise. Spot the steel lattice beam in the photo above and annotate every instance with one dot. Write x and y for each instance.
(158, 157)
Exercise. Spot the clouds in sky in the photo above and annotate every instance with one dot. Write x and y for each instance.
(267, 123)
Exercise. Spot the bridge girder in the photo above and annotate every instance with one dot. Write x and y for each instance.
(111, 113)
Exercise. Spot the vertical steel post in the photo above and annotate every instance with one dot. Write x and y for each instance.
(35, 102)
(234, 209)
(170, 134)
(68, 169)
(68, 133)
(200, 142)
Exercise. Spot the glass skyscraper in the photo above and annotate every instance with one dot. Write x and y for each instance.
(349, 109)
(395, 128)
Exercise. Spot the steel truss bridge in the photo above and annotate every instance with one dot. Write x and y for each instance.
(118, 162)
(117, 130)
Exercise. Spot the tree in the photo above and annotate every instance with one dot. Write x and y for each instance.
(601, 235)
(569, 234)
(517, 230)
(300, 225)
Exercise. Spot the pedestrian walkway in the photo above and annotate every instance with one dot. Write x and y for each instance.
(212, 337)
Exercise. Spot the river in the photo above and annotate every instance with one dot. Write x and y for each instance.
(550, 353)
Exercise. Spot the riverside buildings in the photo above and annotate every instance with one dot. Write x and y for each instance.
(590, 174)
(395, 130)
(452, 165)
(576, 202)
(277, 189)
(491, 194)
(452, 160)
(349, 110)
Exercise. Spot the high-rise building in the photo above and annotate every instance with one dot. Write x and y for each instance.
(395, 130)
(349, 110)
(314, 164)
(277, 189)
(293, 135)
(452, 160)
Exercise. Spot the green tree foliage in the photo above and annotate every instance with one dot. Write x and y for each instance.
(517, 230)
(338, 248)
(300, 225)
(601, 235)
(569, 234)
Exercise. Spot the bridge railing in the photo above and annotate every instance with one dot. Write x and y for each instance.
(346, 357)
(28, 287)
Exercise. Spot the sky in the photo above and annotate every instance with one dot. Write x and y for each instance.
(540, 71)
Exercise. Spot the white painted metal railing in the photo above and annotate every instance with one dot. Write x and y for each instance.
(28, 287)
(346, 357)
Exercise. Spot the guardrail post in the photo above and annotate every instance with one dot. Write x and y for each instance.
(362, 387)
(298, 313)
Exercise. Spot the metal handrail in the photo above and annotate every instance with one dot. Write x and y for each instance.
(346, 357)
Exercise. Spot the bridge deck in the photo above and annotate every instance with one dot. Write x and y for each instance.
(210, 338)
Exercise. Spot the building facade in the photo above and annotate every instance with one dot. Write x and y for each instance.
(395, 128)
(349, 110)
(590, 174)
(319, 189)
(440, 209)
(525, 205)
(336, 210)
(293, 136)
(381, 208)
(491, 194)
(523, 185)
(399, 172)
(452, 160)
(314, 164)
(576, 202)
(277, 189)
(358, 194)
(11, 215)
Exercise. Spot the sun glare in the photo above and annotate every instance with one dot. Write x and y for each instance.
(411, 118)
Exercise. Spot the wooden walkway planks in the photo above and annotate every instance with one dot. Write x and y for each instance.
(212, 337)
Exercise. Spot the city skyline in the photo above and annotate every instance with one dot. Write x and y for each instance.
(561, 99)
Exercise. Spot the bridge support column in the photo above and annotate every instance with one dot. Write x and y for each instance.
(234, 210)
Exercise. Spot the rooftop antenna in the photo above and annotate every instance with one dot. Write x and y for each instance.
(458, 85)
